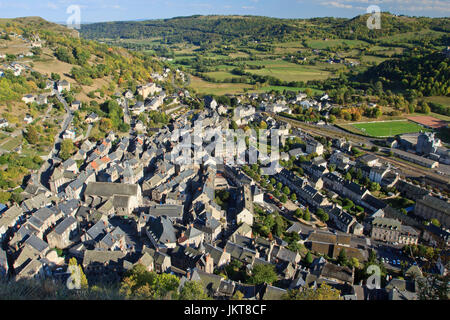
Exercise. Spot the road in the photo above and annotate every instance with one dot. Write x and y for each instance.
(126, 112)
(45, 169)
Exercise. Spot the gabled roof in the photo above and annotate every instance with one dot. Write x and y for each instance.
(38, 244)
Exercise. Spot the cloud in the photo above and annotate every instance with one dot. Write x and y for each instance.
(336, 4)
(387, 5)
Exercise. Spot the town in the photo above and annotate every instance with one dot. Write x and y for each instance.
(124, 201)
(119, 179)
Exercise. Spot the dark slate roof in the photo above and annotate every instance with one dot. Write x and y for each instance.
(38, 244)
(162, 230)
(355, 188)
(168, 210)
(65, 224)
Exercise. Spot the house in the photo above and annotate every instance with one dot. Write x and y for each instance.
(128, 94)
(76, 105)
(63, 85)
(4, 123)
(313, 146)
(433, 208)
(3, 264)
(337, 274)
(125, 197)
(273, 293)
(187, 258)
(63, 233)
(354, 191)
(385, 229)
(98, 263)
(245, 216)
(220, 256)
(28, 119)
(368, 160)
(147, 261)
(9, 219)
(147, 89)
(161, 232)
(241, 253)
(33, 270)
(161, 260)
(210, 227)
(42, 99)
(191, 237)
(214, 285)
(69, 134)
(92, 117)
(341, 219)
(29, 98)
(210, 102)
(280, 253)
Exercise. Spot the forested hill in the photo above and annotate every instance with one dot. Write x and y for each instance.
(194, 29)
(210, 29)
(428, 74)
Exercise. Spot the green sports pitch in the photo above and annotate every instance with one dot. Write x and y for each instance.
(387, 128)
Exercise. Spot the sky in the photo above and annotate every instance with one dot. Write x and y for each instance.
(120, 10)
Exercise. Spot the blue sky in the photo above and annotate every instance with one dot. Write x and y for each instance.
(114, 10)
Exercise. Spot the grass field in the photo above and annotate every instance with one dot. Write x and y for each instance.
(203, 87)
(287, 71)
(322, 44)
(12, 143)
(387, 128)
(439, 99)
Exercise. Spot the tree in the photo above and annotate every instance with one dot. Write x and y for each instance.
(67, 149)
(55, 76)
(298, 213)
(307, 215)
(286, 190)
(263, 273)
(238, 295)
(32, 135)
(139, 283)
(308, 258)
(342, 257)
(193, 290)
(293, 196)
(324, 292)
(433, 287)
(283, 198)
(348, 176)
(105, 125)
(77, 273)
(4, 196)
(435, 222)
(354, 262)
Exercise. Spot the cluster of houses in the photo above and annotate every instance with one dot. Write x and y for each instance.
(133, 200)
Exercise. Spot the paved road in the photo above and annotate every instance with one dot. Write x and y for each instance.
(45, 169)
(126, 112)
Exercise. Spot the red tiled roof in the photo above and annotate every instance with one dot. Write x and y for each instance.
(94, 165)
(105, 159)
